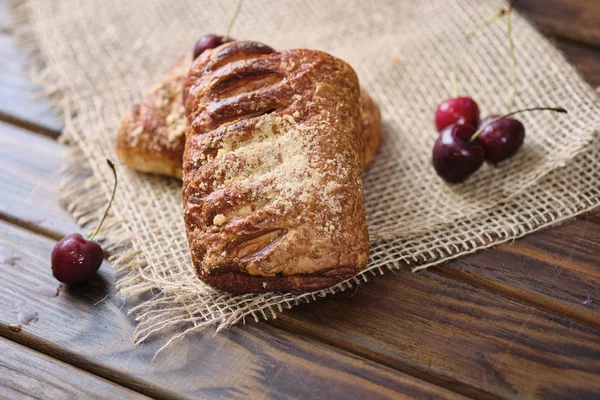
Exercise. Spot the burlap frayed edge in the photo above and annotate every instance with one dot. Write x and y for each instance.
(82, 195)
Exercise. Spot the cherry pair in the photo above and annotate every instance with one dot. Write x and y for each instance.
(460, 149)
(455, 156)
(500, 138)
(465, 142)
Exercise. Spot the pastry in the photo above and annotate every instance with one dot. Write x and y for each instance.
(150, 136)
(272, 189)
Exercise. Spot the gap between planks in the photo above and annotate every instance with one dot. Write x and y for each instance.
(64, 355)
(30, 226)
(524, 298)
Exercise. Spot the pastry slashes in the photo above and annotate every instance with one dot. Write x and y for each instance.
(151, 134)
(272, 192)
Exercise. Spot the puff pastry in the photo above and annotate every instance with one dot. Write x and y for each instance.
(151, 134)
(272, 189)
(151, 137)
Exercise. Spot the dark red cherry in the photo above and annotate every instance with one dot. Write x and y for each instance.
(75, 259)
(458, 110)
(454, 157)
(501, 139)
(208, 41)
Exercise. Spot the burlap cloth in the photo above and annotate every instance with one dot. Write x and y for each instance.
(96, 58)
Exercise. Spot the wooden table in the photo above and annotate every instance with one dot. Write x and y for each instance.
(519, 321)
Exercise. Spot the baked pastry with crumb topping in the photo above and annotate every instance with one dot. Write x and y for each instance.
(272, 189)
(151, 134)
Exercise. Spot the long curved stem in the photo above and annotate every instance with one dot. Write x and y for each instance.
(513, 58)
(482, 128)
(235, 15)
(112, 197)
(463, 44)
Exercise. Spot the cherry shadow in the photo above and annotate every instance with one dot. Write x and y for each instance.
(91, 291)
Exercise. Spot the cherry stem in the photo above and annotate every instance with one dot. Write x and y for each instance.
(513, 57)
(482, 128)
(463, 44)
(235, 15)
(112, 197)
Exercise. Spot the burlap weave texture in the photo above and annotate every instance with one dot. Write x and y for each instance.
(96, 58)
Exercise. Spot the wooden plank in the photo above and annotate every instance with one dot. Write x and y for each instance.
(17, 102)
(577, 20)
(83, 328)
(29, 182)
(453, 334)
(558, 269)
(25, 373)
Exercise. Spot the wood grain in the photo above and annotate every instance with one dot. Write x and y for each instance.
(30, 180)
(593, 216)
(83, 328)
(558, 269)
(465, 338)
(25, 373)
(17, 103)
(20, 101)
(574, 19)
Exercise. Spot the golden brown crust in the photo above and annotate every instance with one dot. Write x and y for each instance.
(150, 135)
(371, 129)
(272, 191)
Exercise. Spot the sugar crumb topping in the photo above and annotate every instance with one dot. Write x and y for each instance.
(219, 219)
(134, 135)
(275, 164)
